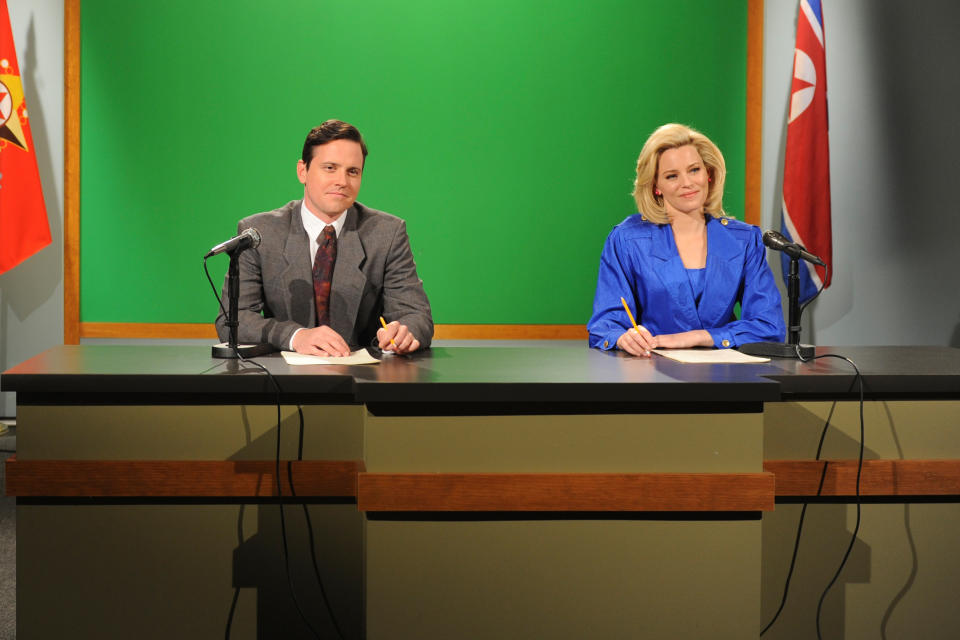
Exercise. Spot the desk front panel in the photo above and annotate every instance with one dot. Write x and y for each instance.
(901, 578)
(195, 566)
(561, 574)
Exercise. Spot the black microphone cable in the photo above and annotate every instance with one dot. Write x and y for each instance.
(283, 525)
(216, 294)
(858, 379)
(826, 278)
(310, 537)
(856, 528)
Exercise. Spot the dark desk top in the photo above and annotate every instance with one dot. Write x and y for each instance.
(923, 372)
(565, 374)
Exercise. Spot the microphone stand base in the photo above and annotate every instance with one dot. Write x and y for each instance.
(777, 350)
(224, 350)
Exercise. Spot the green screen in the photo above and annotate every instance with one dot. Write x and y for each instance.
(504, 133)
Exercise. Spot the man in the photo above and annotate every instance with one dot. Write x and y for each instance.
(328, 267)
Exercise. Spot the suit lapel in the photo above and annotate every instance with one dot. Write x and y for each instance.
(669, 268)
(298, 265)
(348, 279)
(723, 271)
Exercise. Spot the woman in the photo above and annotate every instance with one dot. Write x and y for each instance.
(680, 263)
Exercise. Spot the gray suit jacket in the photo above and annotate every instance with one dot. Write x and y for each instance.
(374, 275)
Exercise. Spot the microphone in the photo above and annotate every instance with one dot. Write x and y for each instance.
(778, 242)
(249, 239)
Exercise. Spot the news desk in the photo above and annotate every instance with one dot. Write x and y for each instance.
(481, 492)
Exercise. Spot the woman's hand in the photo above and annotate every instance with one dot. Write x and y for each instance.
(685, 340)
(637, 342)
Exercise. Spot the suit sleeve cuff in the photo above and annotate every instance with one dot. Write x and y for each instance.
(722, 339)
(292, 336)
(609, 341)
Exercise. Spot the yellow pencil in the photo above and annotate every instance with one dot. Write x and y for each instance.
(384, 323)
(636, 327)
(634, 322)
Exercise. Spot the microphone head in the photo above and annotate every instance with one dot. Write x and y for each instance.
(254, 236)
(775, 240)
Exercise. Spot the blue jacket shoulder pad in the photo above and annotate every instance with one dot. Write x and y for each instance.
(739, 226)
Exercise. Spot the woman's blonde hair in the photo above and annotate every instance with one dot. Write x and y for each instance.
(672, 136)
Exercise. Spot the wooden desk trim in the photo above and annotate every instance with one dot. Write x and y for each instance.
(565, 491)
(180, 478)
(483, 492)
(880, 478)
(393, 491)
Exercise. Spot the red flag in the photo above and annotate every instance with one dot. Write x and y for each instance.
(806, 169)
(24, 229)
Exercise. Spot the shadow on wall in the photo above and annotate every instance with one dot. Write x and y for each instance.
(919, 123)
(921, 138)
(35, 280)
(319, 542)
(792, 431)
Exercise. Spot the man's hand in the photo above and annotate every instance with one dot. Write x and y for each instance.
(320, 341)
(405, 341)
(637, 342)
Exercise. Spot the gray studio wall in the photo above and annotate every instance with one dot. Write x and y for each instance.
(31, 295)
(893, 91)
(893, 87)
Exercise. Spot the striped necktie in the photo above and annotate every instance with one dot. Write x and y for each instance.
(323, 273)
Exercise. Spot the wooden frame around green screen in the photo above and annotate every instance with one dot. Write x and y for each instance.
(74, 329)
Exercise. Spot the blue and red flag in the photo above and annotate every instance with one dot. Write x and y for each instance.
(806, 169)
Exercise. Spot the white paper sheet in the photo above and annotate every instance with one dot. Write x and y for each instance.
(710, 356)
(361, 356)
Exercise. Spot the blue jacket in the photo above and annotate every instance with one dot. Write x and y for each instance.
(640, 262)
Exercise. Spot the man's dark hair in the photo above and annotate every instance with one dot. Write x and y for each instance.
(328, 132)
